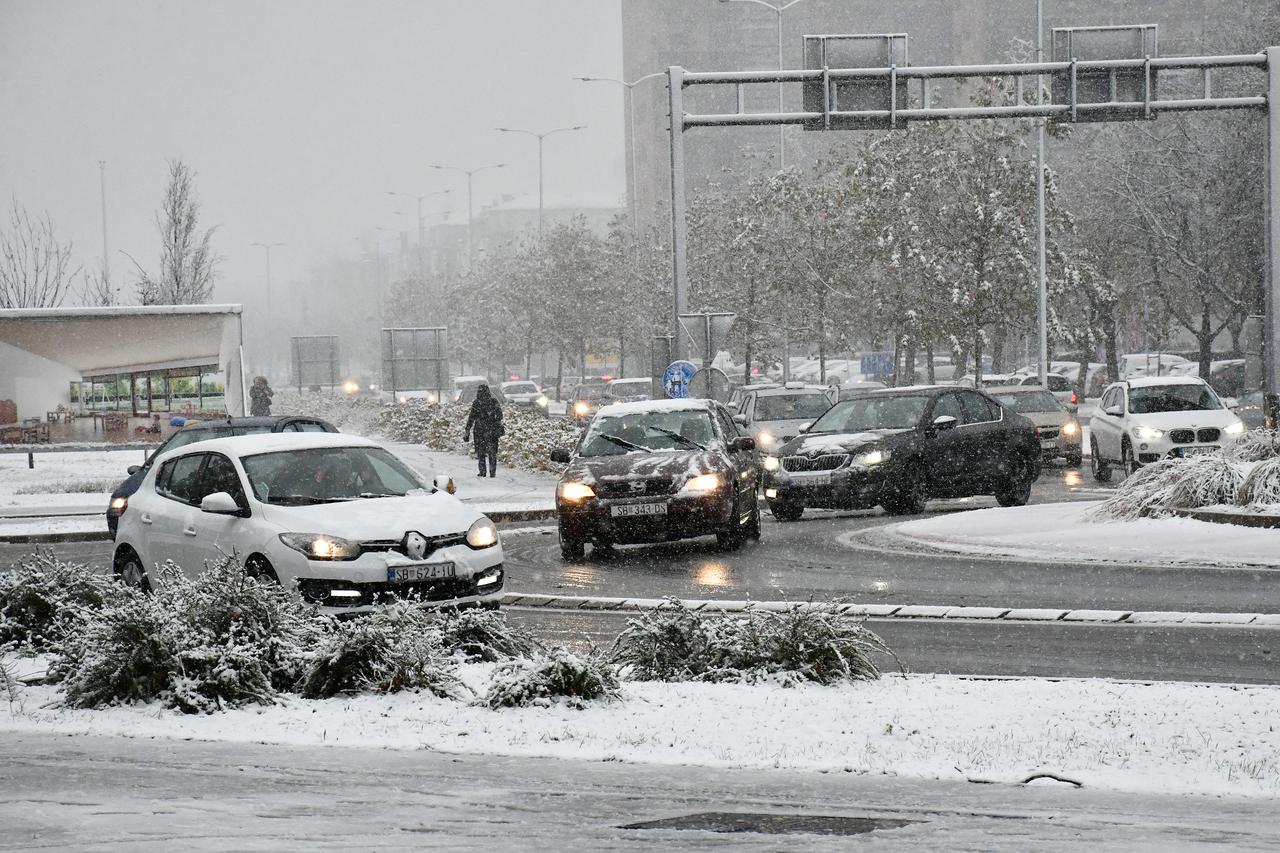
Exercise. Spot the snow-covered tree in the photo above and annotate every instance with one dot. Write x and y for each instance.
(188, 263)
(35, 265)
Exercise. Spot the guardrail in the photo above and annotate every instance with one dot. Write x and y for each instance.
(31, 450)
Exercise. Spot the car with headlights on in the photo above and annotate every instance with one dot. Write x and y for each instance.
(203, 431)
(898, 448)
(337, 518)
(523, 394)
(627, 391)
(773, 416)
(655, 471)
(584, 401)
(1146, 419)
(1057, 429)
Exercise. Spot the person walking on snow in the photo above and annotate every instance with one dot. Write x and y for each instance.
(485, 423)
(260, 395)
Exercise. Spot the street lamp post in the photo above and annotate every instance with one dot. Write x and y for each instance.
(777, 10)
(270, 350)
(539, 137)
(631, 108)
(422, 274)
(1042, 291)
(471, 253)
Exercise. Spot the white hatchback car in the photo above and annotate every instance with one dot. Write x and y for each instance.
(336, 517)
(1139, 421)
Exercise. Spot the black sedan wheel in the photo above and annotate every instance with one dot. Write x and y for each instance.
(786, 511)
(908, 496)
(1016, 490)
(571, 548)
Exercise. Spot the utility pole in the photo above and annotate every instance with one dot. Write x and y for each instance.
(422, 272)
(267, 247)
(106, 266)
(539, 137)
(471, 246)
(631, 109)
(1042, 290)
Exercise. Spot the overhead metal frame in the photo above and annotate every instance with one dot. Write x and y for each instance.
(900, 111)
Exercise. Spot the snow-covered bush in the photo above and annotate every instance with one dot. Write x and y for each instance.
(355, 415)
(8, 683)
(482, 635)
(42, 599)
(399, 648)
(1262, 487)
(799, 644)
(222, 640)
(526, 444)
(1191, 483)
(1255, 445)
(550, 676)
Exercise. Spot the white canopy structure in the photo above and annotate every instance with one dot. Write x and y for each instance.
(43, 350)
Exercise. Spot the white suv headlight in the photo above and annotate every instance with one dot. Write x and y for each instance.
(482, 534)
(1147, 433)
(1235, 428)
(318, 546)
(771, 463)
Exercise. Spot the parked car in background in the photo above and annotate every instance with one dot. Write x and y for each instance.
(1249, 409)
(203, 431)
(524, 394)
(1059, 386)
(337, 518)
(584, 401)
(627, 391)
(1056, 428)
(740, 391)
(655, 471)
(774, 416)
(898, 448)
(852, 389)
(1144, 420)
(465, 387)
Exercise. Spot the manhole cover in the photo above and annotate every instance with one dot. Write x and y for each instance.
(774, 824)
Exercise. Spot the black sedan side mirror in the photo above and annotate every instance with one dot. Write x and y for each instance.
(560, 455)
(133, 469)
(944, 422)
(744, 442)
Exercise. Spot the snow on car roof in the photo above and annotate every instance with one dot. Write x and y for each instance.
(642, 406)
(781, 390)
(246, 445)
(1150, 381)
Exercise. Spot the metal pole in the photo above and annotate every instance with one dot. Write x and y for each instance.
(782, 128)
(1042, 292)
(1271, 345)
(106, 267)
(635, 210)
(422, 272)
(540, 138)
(471, 243)
(679, 279)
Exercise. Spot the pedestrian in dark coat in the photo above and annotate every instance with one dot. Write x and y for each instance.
(485, 423)
(260, 395)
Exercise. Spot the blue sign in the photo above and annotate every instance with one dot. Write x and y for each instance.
(877, 363)
(675, 381)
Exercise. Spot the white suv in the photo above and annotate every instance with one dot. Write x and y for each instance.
(1145, 420)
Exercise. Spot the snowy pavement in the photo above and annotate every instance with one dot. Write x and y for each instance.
(1060, 532)
(60, 793)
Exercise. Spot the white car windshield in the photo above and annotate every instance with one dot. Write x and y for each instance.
(328, 474)
(790, 407)
(1172, 398)
(648, 431)
(520, 388)
(873, 412)
(1033, 401)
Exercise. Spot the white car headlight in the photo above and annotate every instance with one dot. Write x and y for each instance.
(764, 438)
(573, 492)
(1070, 428)
(701, 484)
(1235, 428)
(318, 546)
(1147, 433)
(482, 534)
(871, 457)
(771, 463)
(542, 401)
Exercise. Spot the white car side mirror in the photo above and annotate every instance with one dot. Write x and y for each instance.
(444, 483)
(220, 503)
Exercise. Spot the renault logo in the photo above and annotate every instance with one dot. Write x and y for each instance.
(415, 545)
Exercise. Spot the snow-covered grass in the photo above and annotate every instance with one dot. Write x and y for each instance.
(1048, 531)
(79, 479)
(1161, 737)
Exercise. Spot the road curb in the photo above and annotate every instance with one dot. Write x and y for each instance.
(502, 516)
(1240, 519)
(53, 538)
(913, 612)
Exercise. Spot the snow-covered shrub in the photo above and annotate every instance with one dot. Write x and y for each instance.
(482, 635)
(1255, 445)
(43, 598)
(1191, 483)
(8, 683)
(399, 648)
(350, 414)
(1262, 487)
(526, 444)
(550, 676)
(222, 640)
(799, 644)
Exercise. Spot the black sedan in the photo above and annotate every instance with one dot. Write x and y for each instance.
(201, 431)
(901, 446)
(658, 470)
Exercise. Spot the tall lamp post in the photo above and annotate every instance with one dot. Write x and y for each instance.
(421, 227)
(631, 108)
(470, 173)
(777, 9)
(1042, 291)
(266, 248)
(539, 137)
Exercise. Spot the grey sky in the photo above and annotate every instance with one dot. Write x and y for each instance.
(298, 115)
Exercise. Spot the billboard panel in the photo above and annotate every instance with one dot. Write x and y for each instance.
(315, 360)
(415, 359)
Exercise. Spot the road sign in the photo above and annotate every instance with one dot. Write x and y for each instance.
(707, 332)
(315, 360)
(877, 363)
(415, 360)
(676, 379)
(709, 383)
